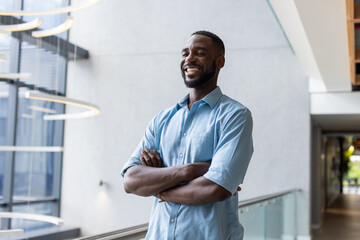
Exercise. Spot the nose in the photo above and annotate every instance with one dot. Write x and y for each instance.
(190, 58)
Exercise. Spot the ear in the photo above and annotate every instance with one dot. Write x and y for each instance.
(220, 62)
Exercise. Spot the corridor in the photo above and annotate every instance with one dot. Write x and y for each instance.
(342, 220)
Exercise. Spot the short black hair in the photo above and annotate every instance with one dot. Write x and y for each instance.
(215, 38)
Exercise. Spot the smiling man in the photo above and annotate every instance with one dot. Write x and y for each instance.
(193, 156)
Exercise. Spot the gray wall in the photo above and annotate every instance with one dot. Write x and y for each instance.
(332, 169)
(134, 72)
(318, 190)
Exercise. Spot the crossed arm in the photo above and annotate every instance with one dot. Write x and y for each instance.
(150, 178)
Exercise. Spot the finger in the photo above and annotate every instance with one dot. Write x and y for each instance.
(152, 157)
(239, 188)
(144, 155)
(149, 153)
(158, 195)
(146, 158)
(142, 160)
(158, 158)
(234, 194)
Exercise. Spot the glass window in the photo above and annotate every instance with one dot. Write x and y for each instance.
(32, 129)
(37, 208)
(4, 93)
(34, 175)
(30, 179)
(49, 21)
(10, 5)
(5, 54)
(47, 68)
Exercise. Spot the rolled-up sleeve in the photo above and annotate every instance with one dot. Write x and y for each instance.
(233, 151)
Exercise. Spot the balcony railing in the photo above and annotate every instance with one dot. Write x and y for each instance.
(266, 217)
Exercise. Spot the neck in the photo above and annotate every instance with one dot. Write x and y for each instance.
(198, 93)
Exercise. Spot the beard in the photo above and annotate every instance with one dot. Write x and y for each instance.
(203, 79)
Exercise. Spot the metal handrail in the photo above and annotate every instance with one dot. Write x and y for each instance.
(126, 233)
(140, 230)
(256, 200)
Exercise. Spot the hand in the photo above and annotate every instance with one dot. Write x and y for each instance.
(238, 189)
(151, 159)
(158, 195)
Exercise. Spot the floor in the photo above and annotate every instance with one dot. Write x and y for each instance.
(342, 220)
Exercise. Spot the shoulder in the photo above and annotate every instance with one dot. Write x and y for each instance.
(162, 116)
(229, 108)
(232, 116)
(165, 113)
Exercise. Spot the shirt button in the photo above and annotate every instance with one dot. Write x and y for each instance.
(172, 220)
(181, 155)
(185, 134)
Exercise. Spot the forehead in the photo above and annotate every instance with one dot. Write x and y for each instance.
(199, 41)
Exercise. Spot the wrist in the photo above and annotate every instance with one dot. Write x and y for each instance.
(187, 172)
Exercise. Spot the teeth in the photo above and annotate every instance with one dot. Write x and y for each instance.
(192, 69)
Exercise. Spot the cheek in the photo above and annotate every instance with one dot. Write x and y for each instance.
(181, 64)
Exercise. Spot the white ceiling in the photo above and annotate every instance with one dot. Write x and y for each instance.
(338, 123)
(317, 31)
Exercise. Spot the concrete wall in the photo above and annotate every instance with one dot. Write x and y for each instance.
(134, 72)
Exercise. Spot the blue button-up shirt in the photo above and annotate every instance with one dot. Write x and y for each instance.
(216, 129)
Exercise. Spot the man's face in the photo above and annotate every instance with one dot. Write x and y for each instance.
(198, 65)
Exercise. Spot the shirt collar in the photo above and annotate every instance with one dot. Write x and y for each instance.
(211, 99)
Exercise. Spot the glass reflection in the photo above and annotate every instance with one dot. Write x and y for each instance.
(4, 93)
(34, 175)
(32, 129)
(30, 225)
(49, 21)
(47, 69)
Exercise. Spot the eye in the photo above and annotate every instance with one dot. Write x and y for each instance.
(200, 54)
(184, 54)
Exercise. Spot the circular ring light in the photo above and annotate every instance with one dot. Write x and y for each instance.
(11, 232)
(4, 32)
(92, 110)
(15, 75)
(5, 148)
(22, 26)
(29, 216)
(52, 31)
(48, 12)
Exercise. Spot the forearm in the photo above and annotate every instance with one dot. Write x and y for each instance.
(197, 192)
(146, 181)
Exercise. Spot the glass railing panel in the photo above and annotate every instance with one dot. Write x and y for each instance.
(270, 219)
(289, 216)
(252, 218)
(273, 218)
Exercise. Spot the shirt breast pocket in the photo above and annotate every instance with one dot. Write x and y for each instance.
(201, 146)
